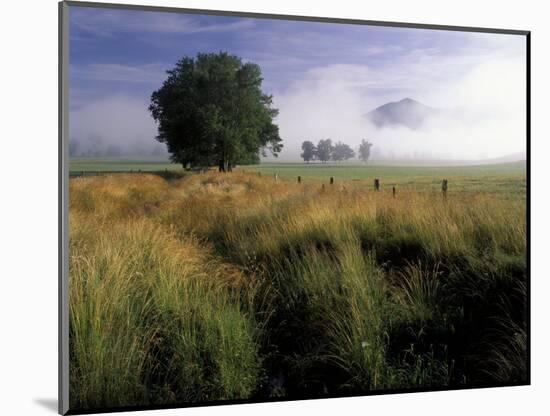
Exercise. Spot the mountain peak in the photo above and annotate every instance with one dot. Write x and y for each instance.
(405, 112)
(405, 101)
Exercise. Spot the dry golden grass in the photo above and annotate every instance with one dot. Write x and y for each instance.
(175, 286)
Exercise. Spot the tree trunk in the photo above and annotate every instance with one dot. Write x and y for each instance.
(229, 167)
(221, 166)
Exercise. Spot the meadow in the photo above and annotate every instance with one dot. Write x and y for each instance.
(212, 286)
(506, 179)
(94, 165)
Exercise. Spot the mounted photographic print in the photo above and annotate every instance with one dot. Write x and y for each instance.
(265, 208)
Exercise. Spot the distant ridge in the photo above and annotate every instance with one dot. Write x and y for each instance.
(406, 112)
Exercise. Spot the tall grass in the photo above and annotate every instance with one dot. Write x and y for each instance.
(155, 319)
(219, 286)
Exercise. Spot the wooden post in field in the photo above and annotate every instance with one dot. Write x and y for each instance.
(299, 179)
(393, 191)
(377, 184)
(331, 180)
(444, 186)
(322, 187)
(276, 177)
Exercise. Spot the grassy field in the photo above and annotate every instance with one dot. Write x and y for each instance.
(351, 170)
(77, 165)
(362, 171)
(232, 286)
(505, 178)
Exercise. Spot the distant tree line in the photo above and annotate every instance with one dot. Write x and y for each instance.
(325, 151)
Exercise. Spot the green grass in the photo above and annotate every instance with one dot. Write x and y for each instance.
(93, 165)
(320, 170)
(364, 171)
(152, 321)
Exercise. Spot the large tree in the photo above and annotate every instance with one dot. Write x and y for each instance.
(308, 151)
(211, 111)
(364, 150)
(324, 150)
(342, 151)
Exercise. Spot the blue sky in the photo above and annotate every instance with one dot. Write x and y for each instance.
(323, 75)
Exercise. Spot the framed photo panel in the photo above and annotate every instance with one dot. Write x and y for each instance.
(261, 208)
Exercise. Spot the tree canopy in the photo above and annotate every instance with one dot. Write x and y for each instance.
(211, 111)
(324, 150)
(342, 151)
(308, 151)
(364, 150)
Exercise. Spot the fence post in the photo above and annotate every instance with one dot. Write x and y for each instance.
(444, 186)
(331, 180)
(299, 179)
(393, 191)
(377, 184)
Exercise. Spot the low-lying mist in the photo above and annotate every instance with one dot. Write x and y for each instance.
(114, 126)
